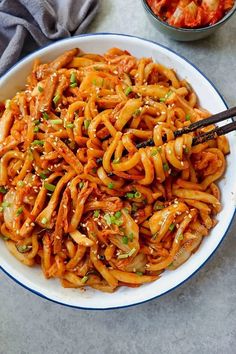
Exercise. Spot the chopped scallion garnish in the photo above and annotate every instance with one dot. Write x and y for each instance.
(56, 98)
(118, 214)
(3, 190)
(87, 123)
(84, 279)
(188, 117)
(44, 221)
(38, 142)
(128, 90)
(22, 248)
(73, 78)
(70, 125)
(166, 166)
(50, 187)
(171, 227)
(129, 195)
(137, 195)
(158, 206)
(116, 161)
(81, 184)
(125, 240)
(20, 183)
(40, 88)
(110, 185)
(19, 211)
(45, 116)
(55, 121)
(96, 213)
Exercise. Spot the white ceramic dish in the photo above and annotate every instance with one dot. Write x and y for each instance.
(32, 278)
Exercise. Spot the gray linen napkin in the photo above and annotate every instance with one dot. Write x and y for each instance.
(40, 21)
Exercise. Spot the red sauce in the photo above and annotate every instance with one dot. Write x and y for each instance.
(190, 13)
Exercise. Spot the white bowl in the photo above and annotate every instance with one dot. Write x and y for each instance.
(209, 97)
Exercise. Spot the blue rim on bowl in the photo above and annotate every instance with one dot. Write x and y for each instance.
(135, 302)
(190, 30)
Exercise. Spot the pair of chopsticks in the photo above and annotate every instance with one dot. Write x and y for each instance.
(201, 138)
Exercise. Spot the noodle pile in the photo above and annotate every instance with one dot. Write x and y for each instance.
(83, 193)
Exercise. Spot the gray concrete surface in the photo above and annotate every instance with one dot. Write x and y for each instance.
(198, 317)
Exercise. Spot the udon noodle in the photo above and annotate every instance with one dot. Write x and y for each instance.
(83, 194)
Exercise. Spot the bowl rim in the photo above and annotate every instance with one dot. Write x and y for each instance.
(230, 221)
(189, 30)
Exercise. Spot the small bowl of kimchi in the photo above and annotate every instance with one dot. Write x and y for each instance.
(189, 20)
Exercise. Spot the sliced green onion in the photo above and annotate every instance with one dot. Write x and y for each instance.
(94, 82)
(107, 218)
(154, 152)
(129, 195)
(110, 185)
(128, 90)
(5, 204)
(70, 125)
(158, 206)
(171, 227)
(126, 255)
(81, 184)
(36, 129)
(45, 116)
(38, 142)
(19, 211)
(162, 99)
(181, 237)
(137, 195)
(44, 221)
(40, 89)
(166, 166)
(118, 222)
(5, 238)
(20, 183)
(188, 117)
(116, 161)
(36, 122)
(56, 99)
(134, 208)
(131, 237)
(73, 78)
(84, 279)
(96, 213)
(139, 273)
(125, 240)
(186, 150)
(55, 121)
(87, 123)
(3, 190)
(22, 248)
(50, 187)
(73, 85)
(118, 214)
(137, 112)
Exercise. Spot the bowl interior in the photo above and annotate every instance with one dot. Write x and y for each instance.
(209, 98)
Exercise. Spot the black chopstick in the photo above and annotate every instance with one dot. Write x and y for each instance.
(214, 133)
(216, 118)
(201, 138)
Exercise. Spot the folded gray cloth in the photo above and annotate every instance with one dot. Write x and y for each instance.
(40, 21)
